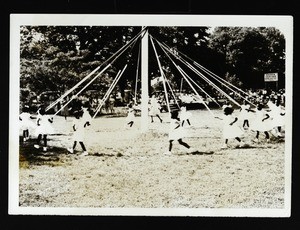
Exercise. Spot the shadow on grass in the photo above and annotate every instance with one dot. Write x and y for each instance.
(197, 153)
(106, 155)
(29, 155)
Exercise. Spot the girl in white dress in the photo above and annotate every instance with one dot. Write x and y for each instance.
(44, 128)
(245, 115)
(154, 109)
(277, 115)
(261, 123)
(25, 123)
(130, 115)
(231, 130)
(185, 115)
(177, 132)
(79, 125)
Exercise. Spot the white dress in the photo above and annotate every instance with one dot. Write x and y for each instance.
(244, 113)
(276, 117)
(258, 124)
(231, 131)
(184, 115)
(86, 115)
(79, 133)
(25, 122)
(176, 133)
(130, 115)
(154, 107)
(45, 126)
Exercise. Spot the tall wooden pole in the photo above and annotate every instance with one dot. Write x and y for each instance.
(145, 83)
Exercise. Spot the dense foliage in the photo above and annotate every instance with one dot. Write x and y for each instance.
(55, 58)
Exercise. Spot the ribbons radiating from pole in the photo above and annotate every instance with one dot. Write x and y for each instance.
(137, 75)
(110, 89)
(214, 76)
(162, 74)
(72, 89)
(116, 55)
(198, 73)
(81, 90)
(182, 72)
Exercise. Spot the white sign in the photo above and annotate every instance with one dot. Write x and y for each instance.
(271, 76)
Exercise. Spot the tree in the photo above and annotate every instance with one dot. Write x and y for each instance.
(57, 57)
(249, 52)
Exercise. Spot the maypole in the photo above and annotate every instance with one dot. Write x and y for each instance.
(145, 83)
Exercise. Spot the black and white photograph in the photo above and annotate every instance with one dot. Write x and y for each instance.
(150, 115)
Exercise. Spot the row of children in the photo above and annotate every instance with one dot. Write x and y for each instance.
(42, 127)
(154, 111)
(267, 119)
(270, 120)
(264, 120)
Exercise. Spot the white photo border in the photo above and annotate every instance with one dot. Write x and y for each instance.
(282, 22)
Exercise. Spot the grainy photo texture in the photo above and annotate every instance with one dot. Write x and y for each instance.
(150, 115)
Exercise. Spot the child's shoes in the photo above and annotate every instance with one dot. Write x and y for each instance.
(242, 144)
(168, 153)
(85, 153)
(70, 150)
(224, 146)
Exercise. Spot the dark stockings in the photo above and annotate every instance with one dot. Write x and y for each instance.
(44, 138)
(246, 123)
(25, 133)
(266, 134)
(237, 138)
(81, 144)
(188, 121)
(130, 123)
(158, 118)
(180, 142)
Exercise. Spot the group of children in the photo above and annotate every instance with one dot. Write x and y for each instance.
(42, 127)
(268, 120)
(264, 120)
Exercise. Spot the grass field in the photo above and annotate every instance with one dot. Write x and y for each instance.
(127, 169)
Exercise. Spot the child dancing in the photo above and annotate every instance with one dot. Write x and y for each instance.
(44, 128)
(185, 115)
(154, 109)
(176, 132)
(130, 115)
(230, 127)
(25, 123)
(261, 123)
(79, 126)
(245, 114)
